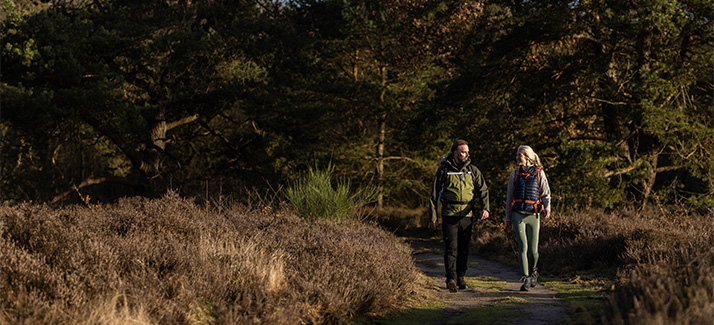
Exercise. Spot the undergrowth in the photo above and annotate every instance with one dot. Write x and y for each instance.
(315, 197)
(661, 259)
(171, 261)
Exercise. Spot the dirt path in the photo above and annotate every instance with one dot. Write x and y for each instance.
(494, 291)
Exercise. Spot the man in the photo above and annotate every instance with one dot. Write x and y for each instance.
(457, 187)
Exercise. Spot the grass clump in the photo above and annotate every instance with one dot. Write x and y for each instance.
(425, 314)
(588, 300)
(174, 262)
(486, 283)
(315, 197)
(502, 313)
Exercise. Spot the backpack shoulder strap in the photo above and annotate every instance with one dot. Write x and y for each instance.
(513, 189)
(538, 205)
(473, 173)
(442, 165)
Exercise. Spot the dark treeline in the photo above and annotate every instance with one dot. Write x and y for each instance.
(107, 98)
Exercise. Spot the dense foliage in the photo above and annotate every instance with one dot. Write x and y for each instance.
(106, 98)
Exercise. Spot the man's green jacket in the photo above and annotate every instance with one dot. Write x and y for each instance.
(458, 187)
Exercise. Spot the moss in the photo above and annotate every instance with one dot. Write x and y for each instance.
(587, 300)
(486, 283)
(502, 313)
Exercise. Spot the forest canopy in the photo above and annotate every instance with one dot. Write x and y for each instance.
(107, 98)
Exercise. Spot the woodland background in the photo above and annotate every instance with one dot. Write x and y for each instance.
(180, 127)
(103, 99)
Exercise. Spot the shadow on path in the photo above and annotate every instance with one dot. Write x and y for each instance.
(492, 285)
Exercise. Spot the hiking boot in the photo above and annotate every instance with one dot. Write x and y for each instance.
(451, 285)
(526, 283)
(534, 277)
(461, 283)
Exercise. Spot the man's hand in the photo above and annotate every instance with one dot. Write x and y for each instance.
(484, 214)
(547, 214)
(433, 225)
(509, 225)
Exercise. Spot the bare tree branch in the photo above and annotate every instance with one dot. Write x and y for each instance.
(107, 131)
(182, 121)
(217, 134)
(94, 181)
(667, 168)
(625, 170)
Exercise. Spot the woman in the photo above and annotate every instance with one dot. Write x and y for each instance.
(527, 197)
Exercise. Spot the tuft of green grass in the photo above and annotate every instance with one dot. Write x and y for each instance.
(315, 197)
(486, 283)
(513, 300)
(423, 314)
(586, 299)
(502, 313)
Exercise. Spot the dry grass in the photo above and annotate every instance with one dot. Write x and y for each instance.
(171, 261)
(662, 259)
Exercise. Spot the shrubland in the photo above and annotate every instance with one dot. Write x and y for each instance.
(170, 261)
(660, 259)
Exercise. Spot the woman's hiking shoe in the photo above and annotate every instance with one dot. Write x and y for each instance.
(526, 283)
(461, 283)
(534, 277)
(451, 285)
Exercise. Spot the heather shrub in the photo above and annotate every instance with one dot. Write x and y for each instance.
(172, 261)
(663, 293)
(661, 259)
(568, 244)
(314, 196)
(668, 275)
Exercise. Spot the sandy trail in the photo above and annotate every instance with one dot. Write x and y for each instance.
(540, 307)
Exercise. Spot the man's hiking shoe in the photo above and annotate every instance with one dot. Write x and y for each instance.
(451, 285)
(526, 283)
(461, 283)
(534, 277)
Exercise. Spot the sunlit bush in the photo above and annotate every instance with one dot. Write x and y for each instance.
(174, 262)
(661, 258)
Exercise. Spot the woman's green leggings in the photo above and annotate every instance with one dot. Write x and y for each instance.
(527, 228)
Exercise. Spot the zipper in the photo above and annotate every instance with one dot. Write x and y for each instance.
(461, 184)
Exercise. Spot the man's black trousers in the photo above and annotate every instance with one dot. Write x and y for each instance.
(457, 237)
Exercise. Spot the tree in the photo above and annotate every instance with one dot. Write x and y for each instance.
(602, 88)
(125, 78)
(385, 60)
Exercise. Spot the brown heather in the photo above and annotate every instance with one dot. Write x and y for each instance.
(662, 258)
(170, 261)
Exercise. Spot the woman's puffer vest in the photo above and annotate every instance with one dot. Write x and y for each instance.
(526, 190)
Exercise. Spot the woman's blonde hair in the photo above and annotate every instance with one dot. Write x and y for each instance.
(530, 155)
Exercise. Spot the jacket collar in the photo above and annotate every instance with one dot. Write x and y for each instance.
(527, 169)
(453, 165)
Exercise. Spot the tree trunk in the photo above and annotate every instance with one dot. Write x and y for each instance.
(155, 145)
(382, 120)
(355, 69)
(382, 130)
(648, 183)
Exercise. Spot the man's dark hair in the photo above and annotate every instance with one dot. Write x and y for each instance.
(457, 143)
